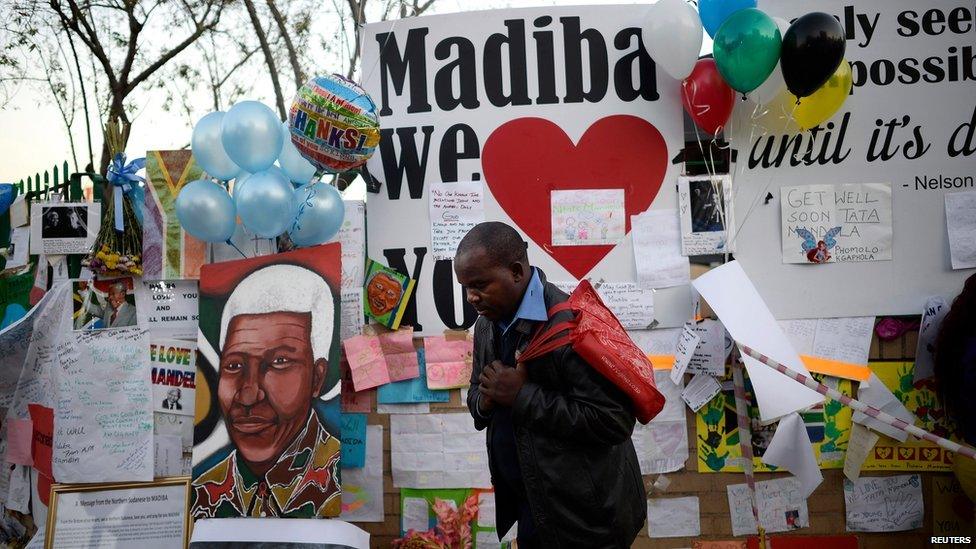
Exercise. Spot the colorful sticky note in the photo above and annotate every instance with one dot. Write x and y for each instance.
(20, 434)
(353, 437)
(448, 361)
(412, 390)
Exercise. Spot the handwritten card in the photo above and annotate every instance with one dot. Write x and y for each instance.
(169, 308)
(657, 249)
(687, 344)
(104, 417)
(709, 355)
(362, 488)
(780, 504)
(352, 237)
(844, 339)
(587, 217)
(399, 353)
(960, 211)
(705, 205)
(454, 209)
(366, 362)
(701, 389)
(884, 504)
(836, 223)
(353, 437)
(673, 517)
(449, 360)
(632, 305)
(411, 390)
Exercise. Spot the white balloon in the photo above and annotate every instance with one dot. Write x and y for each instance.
(774, 84)
(672, 35)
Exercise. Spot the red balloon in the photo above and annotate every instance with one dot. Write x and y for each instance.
(707, 98)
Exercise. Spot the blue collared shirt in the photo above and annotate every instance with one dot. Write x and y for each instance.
(533, 305)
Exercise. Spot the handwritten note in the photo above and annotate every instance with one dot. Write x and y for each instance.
(687, 344)
(438, 451)
(587, 217)
(662, 444)
(859, 445)
(411, 390)
(169, 308)
(454, 209)
(352, 237)
(801, 333)
(399, 353)
(632, 305)
(836, 223)
(351, 321)
(844, 339)
(353, 436)
(366, 362)
(362, 488)
(961, 226)
(709, 355)
(701, 389)
(657, 249)
(780, 504)
(448, 360)
(884, 504)
(104, 417)
(673, 517)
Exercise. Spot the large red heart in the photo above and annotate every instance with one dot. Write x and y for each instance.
(527, 158)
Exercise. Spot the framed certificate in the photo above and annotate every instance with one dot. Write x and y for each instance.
(150, 515)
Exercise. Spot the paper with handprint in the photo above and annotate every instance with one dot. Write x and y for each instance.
(448, 361)
(884, 504)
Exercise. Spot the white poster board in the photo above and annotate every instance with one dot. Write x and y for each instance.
(930, 115)
(530, 101)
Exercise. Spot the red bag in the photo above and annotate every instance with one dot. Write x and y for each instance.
(599, 338)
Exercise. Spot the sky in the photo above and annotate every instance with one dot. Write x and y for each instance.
(33, 138)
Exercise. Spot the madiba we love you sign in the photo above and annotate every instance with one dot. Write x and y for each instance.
(528, 101)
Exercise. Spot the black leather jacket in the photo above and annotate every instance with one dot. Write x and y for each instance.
(572, 436)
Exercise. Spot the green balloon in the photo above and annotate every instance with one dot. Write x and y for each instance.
(746, 49)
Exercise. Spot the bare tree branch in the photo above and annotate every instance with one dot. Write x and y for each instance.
(296, 67)
(268, 57)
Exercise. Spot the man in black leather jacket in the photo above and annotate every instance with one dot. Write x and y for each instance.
(561, 459)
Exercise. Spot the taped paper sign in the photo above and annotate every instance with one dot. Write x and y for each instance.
(828, 425)
(412, 390)
(438, 451)
(836, 223)
(781, 506)
(455, 208)
(960, 211)
(366, 362)
(168, 308)
(662, 444)
(921, 400)
(657, 250)
(59, 228)
(884, 504)
(174, 371)
(587, 217)
(673, 517)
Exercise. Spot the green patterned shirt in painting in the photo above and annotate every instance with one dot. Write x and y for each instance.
(304, 483)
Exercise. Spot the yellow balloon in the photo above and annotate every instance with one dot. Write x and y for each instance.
(819, 106)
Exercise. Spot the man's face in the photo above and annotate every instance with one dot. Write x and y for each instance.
(383, 293)
(116, 297)
(55, 218)
(173, 394)
(493, 290)
(268, 379)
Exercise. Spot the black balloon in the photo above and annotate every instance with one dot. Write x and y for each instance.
(813, 48)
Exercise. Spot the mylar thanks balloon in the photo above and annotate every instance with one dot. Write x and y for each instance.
(822, 104)
(715, 12)
(206, 211)
(334, 124)
(746, 49)
(708, 100)
(208, 150)
(813, 48)
(673, 36)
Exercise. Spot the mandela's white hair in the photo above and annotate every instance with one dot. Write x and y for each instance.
(285, 288)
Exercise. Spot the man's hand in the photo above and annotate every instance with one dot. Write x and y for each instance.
(500, 384)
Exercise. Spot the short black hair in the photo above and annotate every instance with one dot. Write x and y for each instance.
(501, 242)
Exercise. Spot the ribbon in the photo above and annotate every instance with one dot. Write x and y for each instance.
(123, 177)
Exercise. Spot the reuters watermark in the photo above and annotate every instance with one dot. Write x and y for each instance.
(939, 540)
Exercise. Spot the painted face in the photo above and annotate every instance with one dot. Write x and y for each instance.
(383, 293)
(492, 289)
(116, 298)
(268, 379)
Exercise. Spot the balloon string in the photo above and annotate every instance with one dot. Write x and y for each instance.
(232, 245)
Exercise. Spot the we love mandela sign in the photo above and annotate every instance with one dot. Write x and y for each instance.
(528, 102)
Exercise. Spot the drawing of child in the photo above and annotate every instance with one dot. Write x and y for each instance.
(584, 231)
(570, 229)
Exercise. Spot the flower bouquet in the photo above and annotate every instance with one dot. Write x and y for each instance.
(453, 529)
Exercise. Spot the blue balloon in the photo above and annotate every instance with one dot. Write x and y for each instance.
(208, 150)
(251, 135)
(317, 214)
(206, 211)
(714, 12)
(264, 203)
(296, 168)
